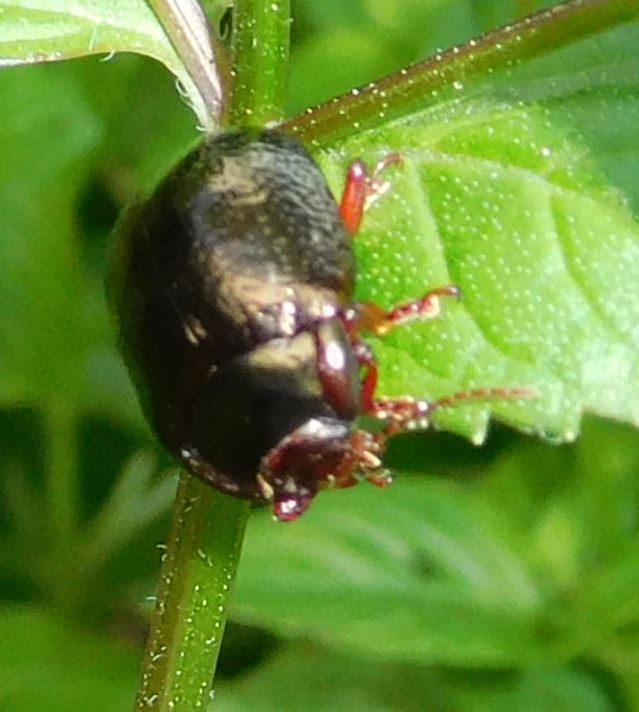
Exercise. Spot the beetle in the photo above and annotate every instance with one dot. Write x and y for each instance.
(233, 290)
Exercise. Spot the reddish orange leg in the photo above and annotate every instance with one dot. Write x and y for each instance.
(362, 187)
(366, 358)
(367, 316)
(374, 319)
(404, 414)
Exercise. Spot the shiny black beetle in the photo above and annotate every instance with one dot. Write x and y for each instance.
(233, 288)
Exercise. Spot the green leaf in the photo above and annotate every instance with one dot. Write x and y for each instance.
(415, 572)
(136, 153)
(519, 184)
(509, 572)
(593, 570)
(544, 688)
(58, 338)
(40, 30)
(50, 664)
(51, 312)
(33, 31)
(303, 676)
(133, 503)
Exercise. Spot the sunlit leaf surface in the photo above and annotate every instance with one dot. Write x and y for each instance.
(39, 30)
(519, 184)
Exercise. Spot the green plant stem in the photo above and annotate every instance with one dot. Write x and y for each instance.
(62, 499)
(424, 83)
(202, 54)
(61, 472)
(260, 50)
(197, 572)
(205, 540)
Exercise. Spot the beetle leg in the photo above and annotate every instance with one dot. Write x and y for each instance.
(366, 358)
(367, 316)
(317, 454)
(402, 414)
(362, 188)
(373, 318)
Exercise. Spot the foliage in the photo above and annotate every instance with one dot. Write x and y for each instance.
(506, 582)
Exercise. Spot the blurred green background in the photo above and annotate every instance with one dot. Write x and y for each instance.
(503, 578)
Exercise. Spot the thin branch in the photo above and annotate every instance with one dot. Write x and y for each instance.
(201, 52)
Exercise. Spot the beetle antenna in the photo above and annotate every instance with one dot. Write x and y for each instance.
(481, 394)
(408, 413)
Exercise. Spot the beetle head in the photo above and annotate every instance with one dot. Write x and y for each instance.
(324, 452)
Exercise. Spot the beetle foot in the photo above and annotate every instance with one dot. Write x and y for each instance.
(290, 503)
(383, 478)
(288, 497)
